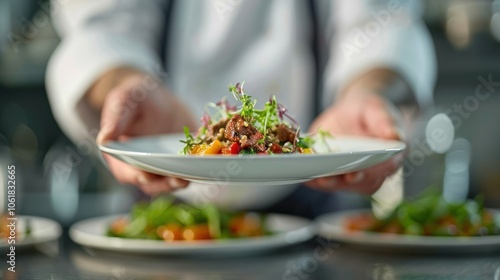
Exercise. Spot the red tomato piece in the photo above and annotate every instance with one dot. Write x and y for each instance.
(235, 148)
(275, 148)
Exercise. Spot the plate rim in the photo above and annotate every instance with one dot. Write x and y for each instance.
(374, 239)
(295, 236)
(113, 151)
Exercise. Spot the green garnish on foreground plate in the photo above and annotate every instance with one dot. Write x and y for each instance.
(162, 219)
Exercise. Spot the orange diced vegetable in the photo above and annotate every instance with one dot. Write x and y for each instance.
(213, 148)
(198, 149)
(307, 151)
(246, 225)
(170, 232)
(118, 226)
(196, 232)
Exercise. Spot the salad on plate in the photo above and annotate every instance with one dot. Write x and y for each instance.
(431, 215)
(246, 130)
(163, 219)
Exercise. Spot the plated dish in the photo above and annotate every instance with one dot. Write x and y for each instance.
(162, 219)
(31, 230)
(286, 229)
(229, 147)
(425, 223)
(160, 155)
(227, 130)
(161, 227)
(431, 215)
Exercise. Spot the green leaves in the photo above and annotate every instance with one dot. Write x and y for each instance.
(431, 214)
(189, 142)
(146, 218)
(247, 102)
(264, 120)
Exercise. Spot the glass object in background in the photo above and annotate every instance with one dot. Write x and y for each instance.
(77, 189)
(456, 176)
(61, 173)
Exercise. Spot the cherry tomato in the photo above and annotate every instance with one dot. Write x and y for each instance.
(118, 226)
(235, 148)
(170, 232)
(276, 149)
(196, 232)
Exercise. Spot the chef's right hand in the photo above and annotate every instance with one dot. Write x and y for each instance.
(133, 104)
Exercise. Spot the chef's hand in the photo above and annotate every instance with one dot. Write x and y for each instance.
(360, 110)
(133, 104)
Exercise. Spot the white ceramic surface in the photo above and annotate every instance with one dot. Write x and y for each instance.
(42, 230)
(287, 230)
(332, 226)
(160, 154)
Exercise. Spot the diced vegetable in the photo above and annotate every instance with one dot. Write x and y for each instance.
(214, 148)
(235, 148)
(196, 232)
(164, 220)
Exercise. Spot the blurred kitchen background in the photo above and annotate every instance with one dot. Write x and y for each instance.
(466, 35)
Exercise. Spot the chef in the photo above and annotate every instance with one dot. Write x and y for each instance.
(139, 67)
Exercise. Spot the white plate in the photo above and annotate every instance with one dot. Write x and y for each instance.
(332, 226)
(42, 230)
(286, 230)
(160, 154)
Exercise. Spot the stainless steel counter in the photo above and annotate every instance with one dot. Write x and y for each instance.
(318, 259)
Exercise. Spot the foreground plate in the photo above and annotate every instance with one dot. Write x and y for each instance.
(160, 155)
(287, 230)
(331, 226)
(42, 230)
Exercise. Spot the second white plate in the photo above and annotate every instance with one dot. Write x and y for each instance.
(160, 155)
(286, 230)
(332, 226)
(41, 230)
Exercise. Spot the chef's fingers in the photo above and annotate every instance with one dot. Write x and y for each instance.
(161, 184)
(117, 114)
(150, 183)
(378, 121)
(365, 181)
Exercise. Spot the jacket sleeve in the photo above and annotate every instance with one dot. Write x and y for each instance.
(368, 34)
(97, 36)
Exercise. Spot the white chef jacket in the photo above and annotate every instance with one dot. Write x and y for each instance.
(211, 43)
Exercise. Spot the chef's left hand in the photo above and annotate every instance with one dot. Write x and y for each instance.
(360, 111)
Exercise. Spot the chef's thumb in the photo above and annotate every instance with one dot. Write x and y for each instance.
(116, 115)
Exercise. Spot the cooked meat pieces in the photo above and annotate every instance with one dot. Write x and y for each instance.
(215, 128)
(285, 134)
(248, 142)
(237, 127)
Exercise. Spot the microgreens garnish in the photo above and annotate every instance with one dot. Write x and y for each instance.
(190, 141)
(264, 119)
(247, 103)
(267, 121)
(205, 120)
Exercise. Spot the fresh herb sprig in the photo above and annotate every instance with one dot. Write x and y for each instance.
(263, 119)
(247, 102)
(190, 141)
